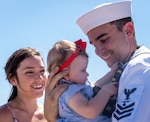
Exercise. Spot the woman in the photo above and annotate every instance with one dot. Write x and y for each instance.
(25, 71)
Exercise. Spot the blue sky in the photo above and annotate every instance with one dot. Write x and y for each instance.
(40, 23)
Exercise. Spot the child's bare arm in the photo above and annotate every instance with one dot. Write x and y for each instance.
(107, 77)
(93, 107)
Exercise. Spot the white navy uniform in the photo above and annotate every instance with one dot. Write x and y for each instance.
(133, 103)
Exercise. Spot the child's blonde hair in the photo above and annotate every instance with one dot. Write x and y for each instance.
(60, 52)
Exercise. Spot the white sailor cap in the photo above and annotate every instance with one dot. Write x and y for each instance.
(104, 13)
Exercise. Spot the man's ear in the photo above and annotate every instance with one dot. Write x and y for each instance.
(129, 29)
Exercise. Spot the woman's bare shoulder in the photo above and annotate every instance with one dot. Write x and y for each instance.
(5, 115)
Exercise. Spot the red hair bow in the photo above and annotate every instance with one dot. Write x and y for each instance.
(80, 45)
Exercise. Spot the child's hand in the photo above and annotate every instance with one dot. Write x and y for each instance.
(114, 68)
(110, 88)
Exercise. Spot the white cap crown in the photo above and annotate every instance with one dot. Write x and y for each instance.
(103, 14)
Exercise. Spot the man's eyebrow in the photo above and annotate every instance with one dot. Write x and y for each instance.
(100, 36)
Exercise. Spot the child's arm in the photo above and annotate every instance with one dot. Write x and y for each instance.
(92, 108)
(107, 77)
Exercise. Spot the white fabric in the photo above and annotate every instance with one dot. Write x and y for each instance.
(103, 14)
(134, 89)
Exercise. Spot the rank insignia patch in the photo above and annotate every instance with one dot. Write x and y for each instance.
(128, 100)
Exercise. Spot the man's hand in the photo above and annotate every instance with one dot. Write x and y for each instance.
(52, 92)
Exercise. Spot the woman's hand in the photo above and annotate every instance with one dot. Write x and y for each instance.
(52, 92)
